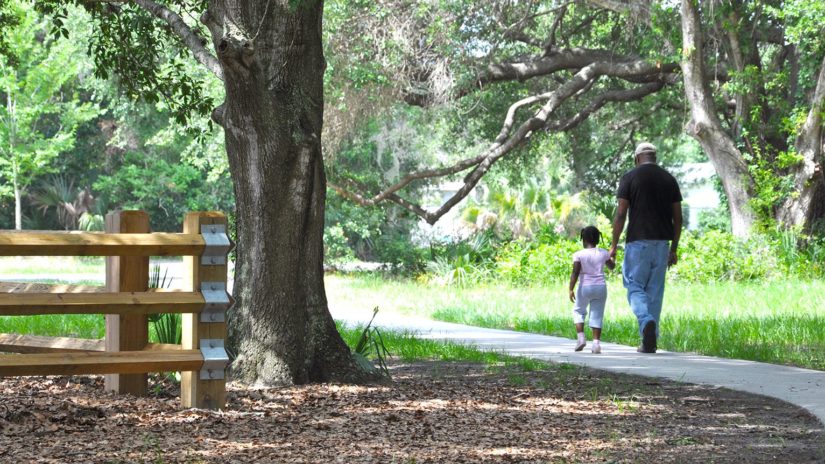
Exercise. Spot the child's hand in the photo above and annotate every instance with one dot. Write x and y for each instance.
(572, 296)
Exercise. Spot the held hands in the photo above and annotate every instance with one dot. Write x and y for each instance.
(613, 252)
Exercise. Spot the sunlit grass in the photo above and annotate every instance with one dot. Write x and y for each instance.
(52, 265)
(777, 322)
(55, 325)
(405, 346)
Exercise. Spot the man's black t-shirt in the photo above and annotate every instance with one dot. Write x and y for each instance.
(651, 192)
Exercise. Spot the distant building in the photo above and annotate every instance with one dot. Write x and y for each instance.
(698, 192)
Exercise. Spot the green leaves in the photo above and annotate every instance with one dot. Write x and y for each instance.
(40, 115)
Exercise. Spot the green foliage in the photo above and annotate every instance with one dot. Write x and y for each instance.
(41, 109)
(464, 262)
(148, 58)
(711, 256)
(717, 255)
(73, 208)
(165, 189)
(371, 344)
(535, 265)
(167, 327)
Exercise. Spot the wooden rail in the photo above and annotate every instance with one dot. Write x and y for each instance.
(14, 343)
(99, 244)
(143, 303)
(121, 362)
(125, 355)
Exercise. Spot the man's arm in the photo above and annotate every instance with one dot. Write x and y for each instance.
(673, 258)
(618, 224)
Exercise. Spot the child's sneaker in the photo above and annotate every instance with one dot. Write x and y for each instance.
(597, 347)
(580, 345)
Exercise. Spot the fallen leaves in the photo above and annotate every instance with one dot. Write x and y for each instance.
(433, 412)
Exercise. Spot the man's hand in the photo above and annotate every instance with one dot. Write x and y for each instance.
(672, 258)
(572, 296)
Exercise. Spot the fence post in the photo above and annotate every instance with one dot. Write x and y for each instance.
(196, 392)
(127, 274)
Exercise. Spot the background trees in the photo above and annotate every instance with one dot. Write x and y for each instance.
(42, 108)
(537, 103)
(756, 104)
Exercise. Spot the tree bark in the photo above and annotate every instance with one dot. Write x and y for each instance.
(706, 128)
(806, 206)
(280, 329)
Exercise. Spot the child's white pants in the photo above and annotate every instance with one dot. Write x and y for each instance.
(594, 296)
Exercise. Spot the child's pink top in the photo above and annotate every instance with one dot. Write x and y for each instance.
(592, 260)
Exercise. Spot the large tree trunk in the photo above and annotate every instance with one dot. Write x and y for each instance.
(706, 128)
(807, 205)
(280, 329)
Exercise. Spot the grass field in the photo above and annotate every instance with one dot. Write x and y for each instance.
(52, 265)
(777, 322)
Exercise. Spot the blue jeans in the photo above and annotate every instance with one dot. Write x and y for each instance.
(643, 273)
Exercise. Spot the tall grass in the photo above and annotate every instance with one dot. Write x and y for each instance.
(777, 322)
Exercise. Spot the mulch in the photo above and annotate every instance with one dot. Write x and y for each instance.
(433, 412)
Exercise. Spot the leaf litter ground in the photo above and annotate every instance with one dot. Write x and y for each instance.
(433, 412)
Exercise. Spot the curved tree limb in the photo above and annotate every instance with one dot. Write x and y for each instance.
(194, 42)
(564, 59)
(611, 96)
(506, 141)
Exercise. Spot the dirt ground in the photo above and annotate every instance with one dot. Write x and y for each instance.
(433, 412)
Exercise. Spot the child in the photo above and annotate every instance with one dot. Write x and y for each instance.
(589, 263)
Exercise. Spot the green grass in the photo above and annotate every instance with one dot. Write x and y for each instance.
(55, 325)
(777, 322)
(407, 347)
(52, 265)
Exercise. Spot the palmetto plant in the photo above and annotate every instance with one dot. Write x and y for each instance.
(72, 206)
(521, 210)
(167, 326)
(371, 343)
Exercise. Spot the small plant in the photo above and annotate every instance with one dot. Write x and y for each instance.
(371, 343)
(167, 326)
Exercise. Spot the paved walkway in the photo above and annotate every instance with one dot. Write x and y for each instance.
(803, 387)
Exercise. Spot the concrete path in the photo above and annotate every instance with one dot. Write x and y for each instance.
(803, 387)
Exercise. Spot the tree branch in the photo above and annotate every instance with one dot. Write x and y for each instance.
(551, 37)
(563, 59)
(640, 8)
(193, 41)
(506, 141)
(611, 96)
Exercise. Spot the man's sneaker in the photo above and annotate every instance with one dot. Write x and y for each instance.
(580, 346)
(649, 338)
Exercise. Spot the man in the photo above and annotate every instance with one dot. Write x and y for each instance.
(654, 200)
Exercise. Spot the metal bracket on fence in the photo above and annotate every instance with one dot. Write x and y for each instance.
(215, 359)
(216, 301)
(217, 244)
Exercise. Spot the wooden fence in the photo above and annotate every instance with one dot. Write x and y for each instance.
(125, 355)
